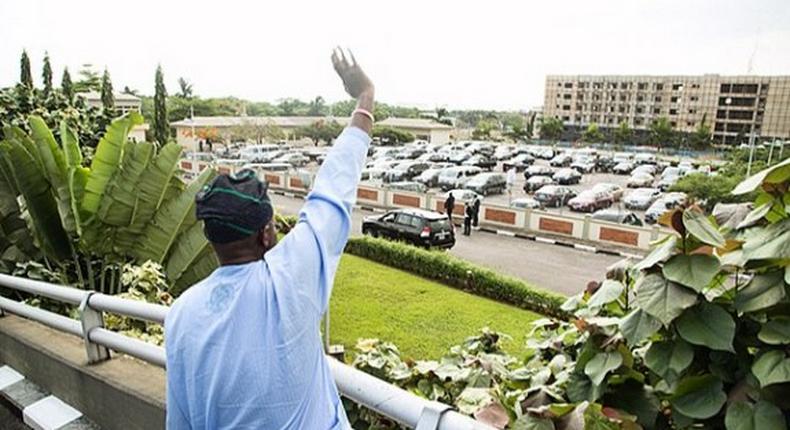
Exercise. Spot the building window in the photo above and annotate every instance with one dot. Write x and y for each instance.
(694, 98)
(622, 109)
(639, 110)
(692, 111)
(559, 95)
(559, 84)
(566, 118)
(638, 121)
(580, 96)
(642, 86)
(721, 114)
(659, 87)
(658, 99)
(566, 107)
(694, 86)
(566, 96)
(569, 85)
(673, 111)
(613, 86)
(656, 111)
(690, 123)
(677, 87)
(623, 97)
(674, 124)
(624, 85)
(674, 99)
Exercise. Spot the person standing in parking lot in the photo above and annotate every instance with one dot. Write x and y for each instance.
(449, 206)
(468, 214)
(511, 182)
(475, 211)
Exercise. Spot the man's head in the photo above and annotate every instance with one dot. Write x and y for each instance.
(237, 217)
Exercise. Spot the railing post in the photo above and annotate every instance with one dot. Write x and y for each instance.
(90, 319)
(431, 415)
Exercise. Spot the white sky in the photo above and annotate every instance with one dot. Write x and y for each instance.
(459, 54)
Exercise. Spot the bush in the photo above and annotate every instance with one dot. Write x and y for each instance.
(457, 273)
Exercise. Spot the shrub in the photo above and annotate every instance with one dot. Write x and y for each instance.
(452, 271)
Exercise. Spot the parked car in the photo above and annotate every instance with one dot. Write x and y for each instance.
(294, 159)
(487, 183)
(406, 171)
(504, 152)
(459, 157)
(617, 216)
(462, 195)
(554, 195)
(649, 169)
(534, 183)
(669, 177)
(255, 153)
(430, 177)
(561, 160)
(538, 170)
(262, 168)
(567, 176)
(615, 190)
(485, 148)
(604, 163)
(412, 186)
(543, 153)
(482, 161)
(373, 174)
(622, 157)
(456, 177)
(437, 157)
(525, 203)
(521, 162)
(410, 153)
(590, 201)
(640, 180)
(623, 168)
(641, 198)
(644, 158)
(583, 164)
(416, 226)
(664, 204)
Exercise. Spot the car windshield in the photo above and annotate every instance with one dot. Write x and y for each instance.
(439, 224)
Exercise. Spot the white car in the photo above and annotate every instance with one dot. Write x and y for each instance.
(614, 190)
(664, 204)
(649, 169)
(640, 180)
(525, 203)
(641, 198)
(462, 195)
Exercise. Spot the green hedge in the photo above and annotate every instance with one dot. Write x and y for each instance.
(449, 270)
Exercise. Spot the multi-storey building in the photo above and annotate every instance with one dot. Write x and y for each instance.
(733, 106)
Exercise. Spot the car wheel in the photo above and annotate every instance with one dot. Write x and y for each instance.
(374, 233)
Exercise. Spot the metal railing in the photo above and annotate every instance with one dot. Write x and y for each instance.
(362, 388)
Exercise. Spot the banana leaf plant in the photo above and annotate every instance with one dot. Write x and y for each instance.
(128, 206)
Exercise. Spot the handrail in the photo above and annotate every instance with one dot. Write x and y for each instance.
(362, 388)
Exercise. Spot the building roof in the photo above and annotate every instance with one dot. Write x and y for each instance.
(299, 121)
(95, 95)
(415, 123)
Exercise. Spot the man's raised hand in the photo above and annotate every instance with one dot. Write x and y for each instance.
(354, 79)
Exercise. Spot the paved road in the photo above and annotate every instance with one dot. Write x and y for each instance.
(552, 267)
(9, 421)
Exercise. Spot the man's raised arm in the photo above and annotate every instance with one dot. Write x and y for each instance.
(309, 255)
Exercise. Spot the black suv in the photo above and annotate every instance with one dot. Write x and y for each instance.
(416, 226)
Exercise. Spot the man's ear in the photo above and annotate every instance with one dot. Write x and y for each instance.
(268, 236)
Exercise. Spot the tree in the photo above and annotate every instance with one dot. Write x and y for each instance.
(185, 88)
(251, 130)
(131, 92)
(484, 129)
(391, 136)
(623, 133)
(316, 107)
(320, 131)
(25, 76)
(661, 132)
(66, 86)
(89, 80)
(161, 125)
(531, 124)
(46, 75)
(701, 138)
(107, 97)
(442, 116)
(551, 128)
(592, 134)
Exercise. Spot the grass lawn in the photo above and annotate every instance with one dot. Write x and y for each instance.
(423, 318)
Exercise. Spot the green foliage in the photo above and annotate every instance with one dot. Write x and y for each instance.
(160, 123)
(107, 96)
(66, 86)
(702, 137)
(484, 129)
(25, 76)
(593, 134)
(457, 273)
(391, 136)
(145, 283)
(551, 128)
(46, 76)
(661, 132)
(623, 133)
(129, 206)
(319, 131)
(89, 80)
(185, 88)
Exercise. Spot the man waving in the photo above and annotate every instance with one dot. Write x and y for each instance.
(243, 345)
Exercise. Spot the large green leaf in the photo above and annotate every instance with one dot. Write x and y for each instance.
(76, 175)
(603, 363)
(699, 397)
(70, 145)
(638, 326)
(119, 202)
(701, 227)
(155, 184)
(770, 242)
(186, 251)
(669, 358)
(200, 269)
(107, 160)
(776, 331)
(695, 271)
(532, 422)
(760, 416)
(773, 367)
(708, 325)
(160, 234)
(663, 299)
(660, 253)
(752, 182)
(764, 291)
(608, 292)
(39, 200)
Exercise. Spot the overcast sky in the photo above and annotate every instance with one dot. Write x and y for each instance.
(458, 54)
